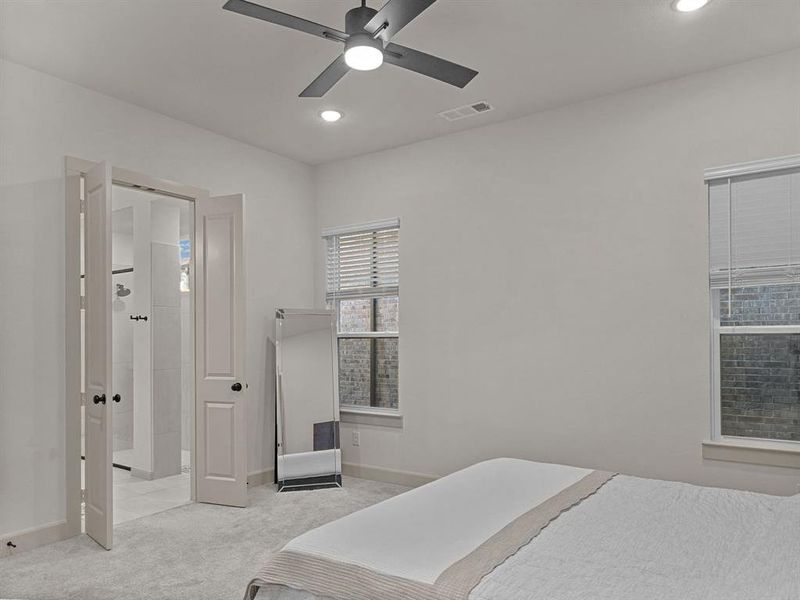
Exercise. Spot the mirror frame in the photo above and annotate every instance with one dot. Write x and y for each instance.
(323, 481)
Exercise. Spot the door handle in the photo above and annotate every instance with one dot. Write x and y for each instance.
(237, 387)
(101, 399)
(116, 397)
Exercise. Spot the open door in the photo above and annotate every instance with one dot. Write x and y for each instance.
(98, 428)
(220, 437)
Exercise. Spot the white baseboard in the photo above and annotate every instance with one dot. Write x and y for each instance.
(406, 478)
(27, 539)
(267, 476)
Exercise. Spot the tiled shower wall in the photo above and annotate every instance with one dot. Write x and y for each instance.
(166, 340)
(122, 362)
(187, 370)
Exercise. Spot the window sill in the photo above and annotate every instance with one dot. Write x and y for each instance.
(367, 416)
(756, 452)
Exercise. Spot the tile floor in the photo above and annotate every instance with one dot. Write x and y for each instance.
(134, 497)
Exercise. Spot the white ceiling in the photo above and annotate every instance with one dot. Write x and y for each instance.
(240, 77)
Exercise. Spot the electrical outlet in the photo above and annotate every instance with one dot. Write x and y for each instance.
(356, 438)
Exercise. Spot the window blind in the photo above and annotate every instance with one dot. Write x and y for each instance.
(363, 263)
(755, 229)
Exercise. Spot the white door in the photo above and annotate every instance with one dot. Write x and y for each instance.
(97, 260)
(220, 437)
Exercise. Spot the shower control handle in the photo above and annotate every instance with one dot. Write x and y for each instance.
(101, 399)
(237, 387)
(116, 397)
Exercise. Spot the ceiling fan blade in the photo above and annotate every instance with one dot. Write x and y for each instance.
(250, 9)
(327, 79)
(396, 14)
(425, 64)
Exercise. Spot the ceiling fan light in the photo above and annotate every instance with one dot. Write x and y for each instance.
(363, 53)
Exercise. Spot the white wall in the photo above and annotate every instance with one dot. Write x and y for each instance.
(41, 120)
(554, 295)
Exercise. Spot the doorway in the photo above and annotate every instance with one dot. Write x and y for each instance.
(156, 313)
(152, 354)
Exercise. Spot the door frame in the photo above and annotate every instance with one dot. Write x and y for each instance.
(74, 170)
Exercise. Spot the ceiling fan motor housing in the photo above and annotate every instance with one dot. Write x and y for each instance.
(357, 18)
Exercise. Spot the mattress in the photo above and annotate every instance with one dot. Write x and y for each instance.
(630, 539)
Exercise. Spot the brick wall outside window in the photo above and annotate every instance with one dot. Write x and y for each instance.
(760, 373)
(358, 384)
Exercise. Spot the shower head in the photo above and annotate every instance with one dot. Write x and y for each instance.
(122, 291)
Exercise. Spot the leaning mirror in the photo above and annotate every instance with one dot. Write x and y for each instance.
(307, 448)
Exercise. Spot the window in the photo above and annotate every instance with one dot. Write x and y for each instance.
(186, 261)
(363, 286)
(755, 295)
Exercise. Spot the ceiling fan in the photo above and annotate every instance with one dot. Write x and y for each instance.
(366, 42)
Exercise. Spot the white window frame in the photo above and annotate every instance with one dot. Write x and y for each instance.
(343, 335)
(368, 415)
(764, 451)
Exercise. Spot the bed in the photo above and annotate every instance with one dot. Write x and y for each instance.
(510, 529)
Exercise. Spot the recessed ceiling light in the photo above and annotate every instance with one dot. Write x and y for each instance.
(689, 5)
(331, 116)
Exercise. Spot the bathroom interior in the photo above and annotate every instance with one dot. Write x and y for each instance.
(152, 351)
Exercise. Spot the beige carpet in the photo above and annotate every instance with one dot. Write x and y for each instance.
(197, 552)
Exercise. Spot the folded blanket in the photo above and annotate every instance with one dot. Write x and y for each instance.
(435, 542)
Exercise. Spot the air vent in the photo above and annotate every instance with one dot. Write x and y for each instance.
(470, 110)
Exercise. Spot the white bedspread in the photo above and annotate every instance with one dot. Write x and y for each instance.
(417, 535)
(635, 539)
(638, 539)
